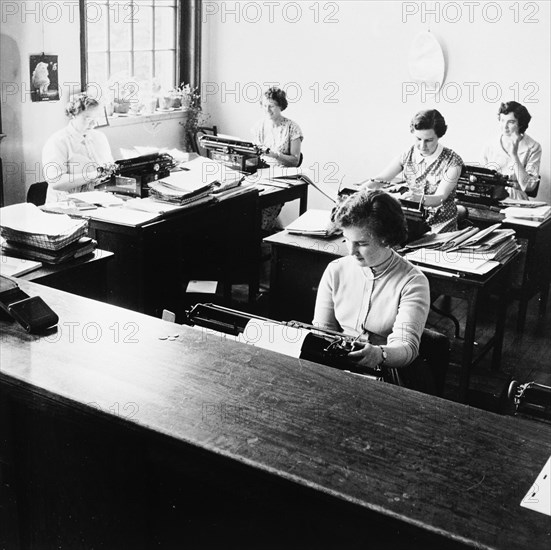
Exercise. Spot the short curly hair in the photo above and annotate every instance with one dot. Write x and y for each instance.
(79, 103)
(380, 213)
(520, 111)
(429, 120)
(277, 95)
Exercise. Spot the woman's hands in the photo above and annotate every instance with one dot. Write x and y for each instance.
(369, 356)
(511, 145)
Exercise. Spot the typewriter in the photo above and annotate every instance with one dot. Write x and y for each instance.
(321, 346)
(233, 153)
(132, 176)
(531, 400)
(413, 211)
(482, 186)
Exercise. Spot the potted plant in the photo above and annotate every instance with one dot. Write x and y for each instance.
(190, 99)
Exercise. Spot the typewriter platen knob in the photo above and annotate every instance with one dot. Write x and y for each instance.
(156, 167)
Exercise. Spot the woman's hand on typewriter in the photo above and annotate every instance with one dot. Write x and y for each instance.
(369, 356)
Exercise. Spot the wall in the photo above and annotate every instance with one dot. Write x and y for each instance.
(344, 65)
(53, 28)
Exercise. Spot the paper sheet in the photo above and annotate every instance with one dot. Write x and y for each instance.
(274, 337)
(29, 218)
(538, 498)
(202, 287)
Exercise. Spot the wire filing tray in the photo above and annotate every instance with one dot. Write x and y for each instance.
(48, 242)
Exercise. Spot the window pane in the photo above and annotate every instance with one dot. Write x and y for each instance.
(165, 21)
(143, 65)
(120, 63)
(96, 27)
(97, 68)
(164, 68)
(120, 28)
(143, 29)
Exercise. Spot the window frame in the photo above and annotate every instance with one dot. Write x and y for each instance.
(188, 44)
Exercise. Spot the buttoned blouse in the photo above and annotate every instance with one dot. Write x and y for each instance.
(423, 175)
(529, 154)
(68, 151)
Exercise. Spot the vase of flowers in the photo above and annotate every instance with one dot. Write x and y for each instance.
(190, 99)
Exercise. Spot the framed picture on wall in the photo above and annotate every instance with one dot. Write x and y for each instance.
(44, 77)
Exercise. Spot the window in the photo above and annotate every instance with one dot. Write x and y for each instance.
(142, 39)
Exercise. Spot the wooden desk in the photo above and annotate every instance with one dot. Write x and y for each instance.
(271, 196)
(298, 263)
(122, 440)
(155, 260)
(532, 270)
(86, 276)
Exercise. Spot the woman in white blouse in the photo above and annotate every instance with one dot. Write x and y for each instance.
(281, 140)
(74, 158)
(515, 153)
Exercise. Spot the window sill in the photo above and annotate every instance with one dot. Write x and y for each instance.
(117, 120)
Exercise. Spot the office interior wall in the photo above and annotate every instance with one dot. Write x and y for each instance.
(345, 68)
(27, 28)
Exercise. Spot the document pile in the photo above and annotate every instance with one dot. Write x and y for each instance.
(32, 234)
(531, 213)
(468, 251)
(316, 223)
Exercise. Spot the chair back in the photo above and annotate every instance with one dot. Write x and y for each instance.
(37, 193)
(435, 350)
(194, 138)
(534, 193)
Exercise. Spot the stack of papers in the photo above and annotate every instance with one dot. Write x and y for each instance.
(312, 222)
(491, 243)
(453, 263)
(474, 251)
(537, 214)
(195, 180)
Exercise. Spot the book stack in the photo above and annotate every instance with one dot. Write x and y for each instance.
(72, 251)
(471, 250)
(32, 234)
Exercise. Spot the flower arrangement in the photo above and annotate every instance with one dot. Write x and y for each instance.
(191, 103)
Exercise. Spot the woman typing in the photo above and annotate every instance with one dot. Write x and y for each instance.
(374, 293)
(74, 158)
(430, 170)
(281, 140)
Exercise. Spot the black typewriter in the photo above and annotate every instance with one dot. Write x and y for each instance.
(531, 400)
(132, 176)
(321, 346)
(482, 186)
(413, 211)
(233, 153)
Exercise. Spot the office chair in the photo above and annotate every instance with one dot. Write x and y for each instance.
(435, 350)
(37, 193)
(534, 193)
(194, 138)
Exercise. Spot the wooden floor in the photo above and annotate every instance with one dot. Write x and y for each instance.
(526, 357)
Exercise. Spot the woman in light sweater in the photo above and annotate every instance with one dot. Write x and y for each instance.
(374, 293)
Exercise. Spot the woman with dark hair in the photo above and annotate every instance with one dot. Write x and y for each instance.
(430, 170)
(374, 293)
(281, 140)
(515, 153)
(74, 157)
(280, 137)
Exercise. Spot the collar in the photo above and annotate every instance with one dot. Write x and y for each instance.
(74, 133)
(419, 158)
